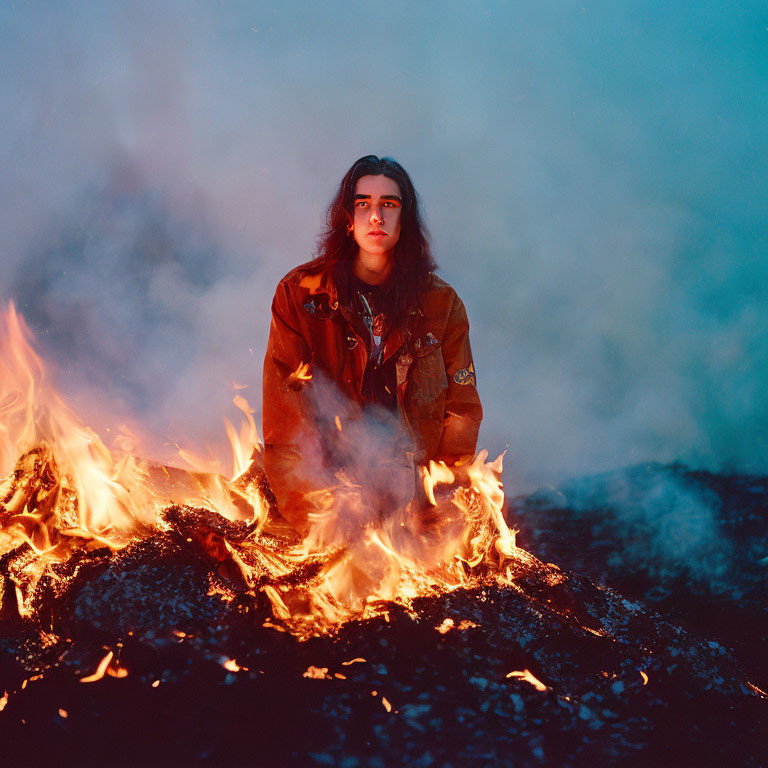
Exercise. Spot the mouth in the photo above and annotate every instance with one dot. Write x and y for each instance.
(377, 233)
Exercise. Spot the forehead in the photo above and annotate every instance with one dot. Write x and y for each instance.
(377, 186)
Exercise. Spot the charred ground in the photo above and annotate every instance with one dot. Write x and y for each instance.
(645, 658)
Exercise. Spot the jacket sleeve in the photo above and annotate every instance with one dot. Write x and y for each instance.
(463, 412)
(290, 441)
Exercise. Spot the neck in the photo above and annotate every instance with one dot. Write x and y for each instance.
(373, 268)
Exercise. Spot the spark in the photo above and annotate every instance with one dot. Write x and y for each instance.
(233, 666)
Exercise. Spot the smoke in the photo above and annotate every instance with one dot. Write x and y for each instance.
(594, 180)
(664, 523)
(362, 461)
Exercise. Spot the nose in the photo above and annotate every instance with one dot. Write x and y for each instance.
(377, 215)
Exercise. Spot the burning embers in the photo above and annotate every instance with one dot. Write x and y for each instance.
(66, 499)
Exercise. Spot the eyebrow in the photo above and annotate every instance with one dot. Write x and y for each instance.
(383, 197)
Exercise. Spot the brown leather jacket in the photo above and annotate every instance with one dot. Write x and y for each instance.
(310, 333)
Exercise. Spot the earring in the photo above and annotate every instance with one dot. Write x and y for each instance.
(350, 227)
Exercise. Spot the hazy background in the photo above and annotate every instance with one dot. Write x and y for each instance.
(594, 176)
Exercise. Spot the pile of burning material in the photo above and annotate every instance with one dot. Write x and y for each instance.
(164, 617)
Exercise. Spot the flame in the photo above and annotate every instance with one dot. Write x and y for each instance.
(302, 373)
(368, 560)
(64, 491)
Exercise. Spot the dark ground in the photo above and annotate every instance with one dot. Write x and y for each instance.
(663, 572)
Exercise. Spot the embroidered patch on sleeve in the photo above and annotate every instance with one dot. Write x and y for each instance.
(465, 375)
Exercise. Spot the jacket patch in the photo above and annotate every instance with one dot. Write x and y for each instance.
(465, 375)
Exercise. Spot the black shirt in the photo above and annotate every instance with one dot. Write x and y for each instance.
(370, 319)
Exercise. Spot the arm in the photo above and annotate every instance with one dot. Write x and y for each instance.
(289, 436)
(463, 412)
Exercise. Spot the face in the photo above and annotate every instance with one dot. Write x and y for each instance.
(378, 205)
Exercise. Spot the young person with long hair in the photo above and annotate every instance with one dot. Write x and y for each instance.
(370, 315)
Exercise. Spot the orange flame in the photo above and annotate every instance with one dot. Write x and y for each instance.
(65, 489)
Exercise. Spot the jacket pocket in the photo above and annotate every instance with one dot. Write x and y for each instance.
(428, 381)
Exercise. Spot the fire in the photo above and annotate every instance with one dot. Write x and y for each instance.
(65, 492)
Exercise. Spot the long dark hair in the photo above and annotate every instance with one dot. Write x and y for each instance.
(337, 249)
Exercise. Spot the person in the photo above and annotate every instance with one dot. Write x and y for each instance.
(369, 315)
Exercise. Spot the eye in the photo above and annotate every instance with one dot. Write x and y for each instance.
(361, 203)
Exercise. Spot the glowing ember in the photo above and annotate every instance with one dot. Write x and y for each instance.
(756, 690)
(100, 670)
(449, 624)
(114, 670)
(63, 713)
(644, 676)
(317, 673)
(386, 704)
(232, 666)
(528, 677)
